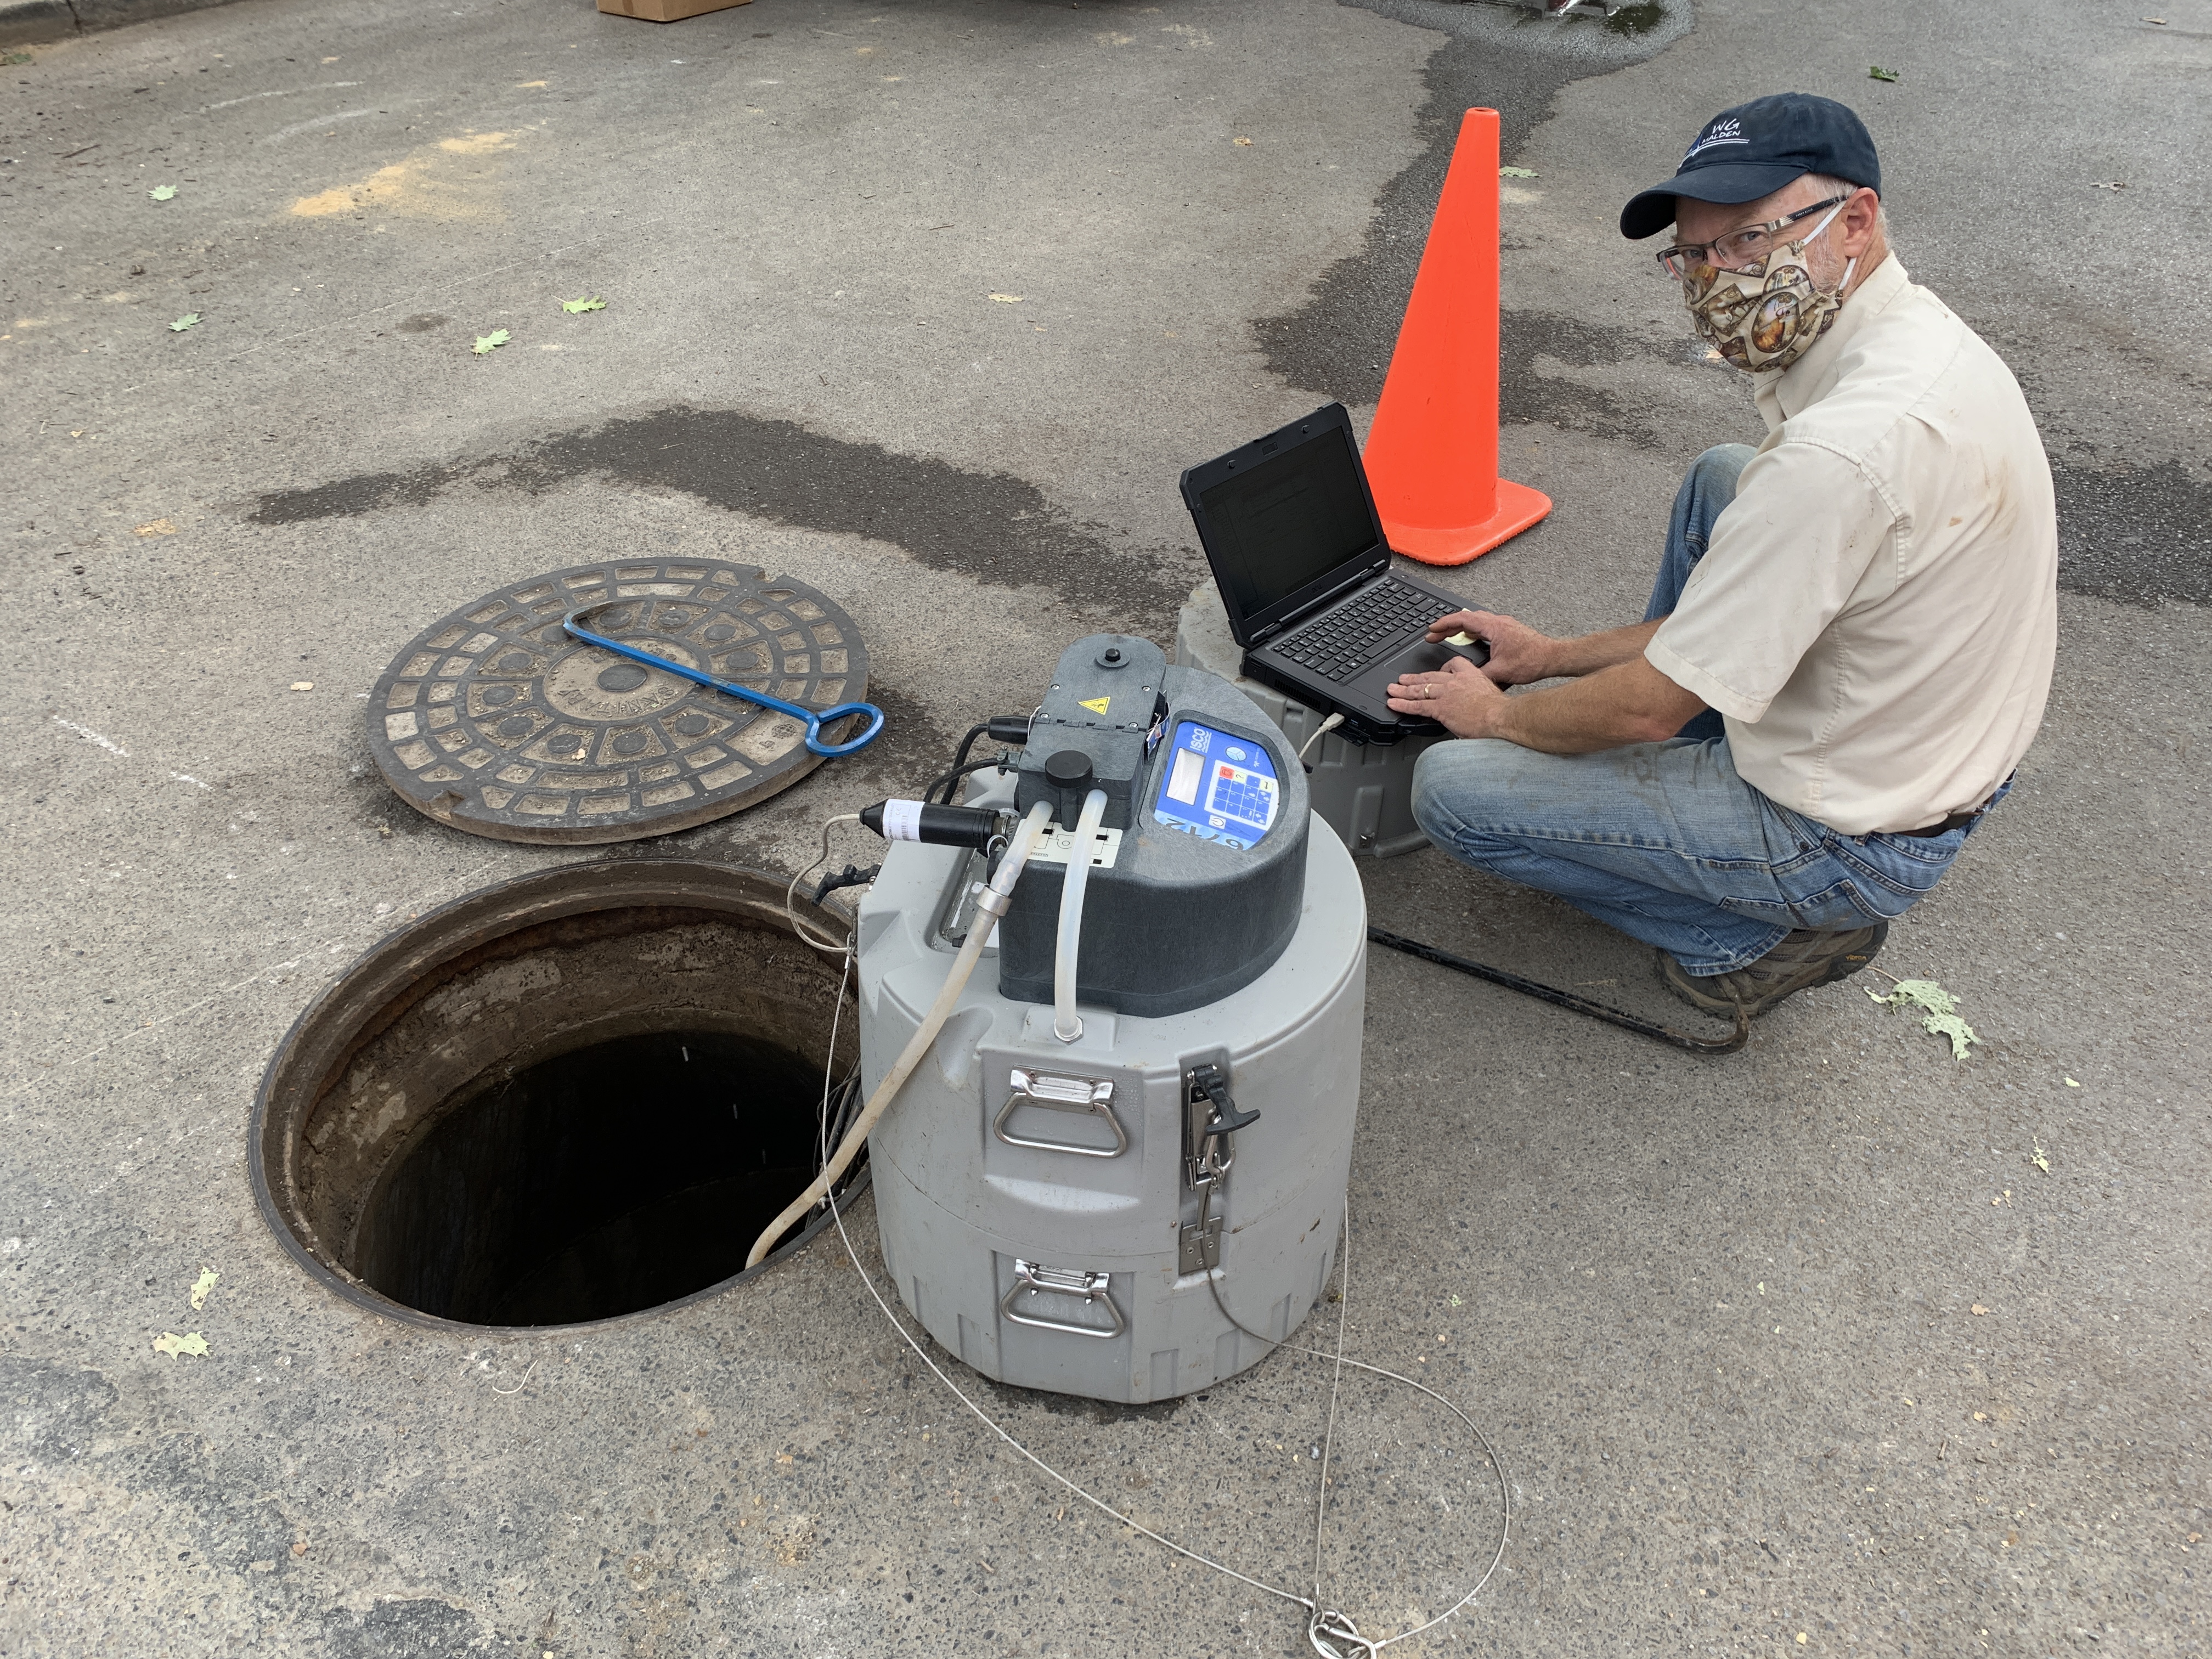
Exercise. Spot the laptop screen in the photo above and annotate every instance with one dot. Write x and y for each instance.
(1287, 521)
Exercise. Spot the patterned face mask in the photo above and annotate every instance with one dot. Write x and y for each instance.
(1765, 318)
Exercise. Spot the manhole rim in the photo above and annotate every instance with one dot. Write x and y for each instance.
(373, 981)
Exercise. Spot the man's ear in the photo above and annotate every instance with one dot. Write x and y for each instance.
(1860, 216)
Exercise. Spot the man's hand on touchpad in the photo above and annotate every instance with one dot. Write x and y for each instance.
(1466, 645)
(1510, 653)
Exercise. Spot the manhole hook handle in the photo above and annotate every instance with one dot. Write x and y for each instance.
(814, 719)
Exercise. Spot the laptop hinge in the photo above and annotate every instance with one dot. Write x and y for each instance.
(1342, 588)
(1266, 633)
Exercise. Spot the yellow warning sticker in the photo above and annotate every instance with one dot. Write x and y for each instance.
(1095, 705)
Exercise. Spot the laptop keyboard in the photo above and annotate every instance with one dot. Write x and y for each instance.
(1346, 640)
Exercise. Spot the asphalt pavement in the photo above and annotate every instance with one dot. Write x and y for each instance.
(1834, 1345)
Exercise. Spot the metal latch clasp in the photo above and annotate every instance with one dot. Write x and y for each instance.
(1090, 1095)
(1210, 1117)
(1034, 1278)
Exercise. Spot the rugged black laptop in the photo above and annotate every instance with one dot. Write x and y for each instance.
(1298, 554)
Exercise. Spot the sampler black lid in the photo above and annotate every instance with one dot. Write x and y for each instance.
(1068, 769)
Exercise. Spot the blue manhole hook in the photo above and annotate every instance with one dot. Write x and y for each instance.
(815, 721)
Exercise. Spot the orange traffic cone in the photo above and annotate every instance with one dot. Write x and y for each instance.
(1431, 455)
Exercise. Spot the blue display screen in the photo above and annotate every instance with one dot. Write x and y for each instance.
(1218, 786)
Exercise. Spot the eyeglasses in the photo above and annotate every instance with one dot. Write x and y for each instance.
(1738, 249)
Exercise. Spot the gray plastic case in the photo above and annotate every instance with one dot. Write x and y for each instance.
(1034, 1197)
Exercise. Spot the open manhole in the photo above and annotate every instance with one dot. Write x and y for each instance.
(566, 1098)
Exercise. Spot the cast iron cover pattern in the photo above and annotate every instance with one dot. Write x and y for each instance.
(495, 721)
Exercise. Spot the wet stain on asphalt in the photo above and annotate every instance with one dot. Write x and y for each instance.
(1525, 392)
(1339, 343)
(1640, 18)
(990, 526)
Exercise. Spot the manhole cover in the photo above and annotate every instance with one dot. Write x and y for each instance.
(494, 721)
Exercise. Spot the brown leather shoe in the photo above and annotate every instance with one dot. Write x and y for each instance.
(1803, 959)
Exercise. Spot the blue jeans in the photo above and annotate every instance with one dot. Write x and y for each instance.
(1663, 841)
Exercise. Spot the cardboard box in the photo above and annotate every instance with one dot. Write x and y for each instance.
(666, 11)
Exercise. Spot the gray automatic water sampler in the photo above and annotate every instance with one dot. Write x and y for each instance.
(1153, 1067)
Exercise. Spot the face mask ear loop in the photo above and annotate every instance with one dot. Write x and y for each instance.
(1849, 265)
(1811, 234)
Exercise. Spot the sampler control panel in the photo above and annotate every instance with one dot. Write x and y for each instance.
(1218, 786)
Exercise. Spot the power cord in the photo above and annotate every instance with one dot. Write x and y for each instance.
(1320, 732)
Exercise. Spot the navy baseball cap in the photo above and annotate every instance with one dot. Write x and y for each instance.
(1753, 150)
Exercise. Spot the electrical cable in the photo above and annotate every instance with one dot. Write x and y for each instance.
(1343, 1627)
(1320, 732)
(951, 779)
(960, 756)
(1569, 1000)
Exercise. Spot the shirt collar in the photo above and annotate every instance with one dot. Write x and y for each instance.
(1785, 395)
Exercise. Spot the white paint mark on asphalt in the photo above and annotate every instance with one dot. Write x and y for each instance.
(186, 777)
(298, 127)
(320, 86)
(91, 736)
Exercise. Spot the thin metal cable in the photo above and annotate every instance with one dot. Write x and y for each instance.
(805, 935)
(1346, 1629)
(1335, 1376)
(983, 1417)
(822, 1140)
(1340, 1628)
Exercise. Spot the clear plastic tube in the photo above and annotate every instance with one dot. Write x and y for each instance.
(1066, 1023)
(979, 935)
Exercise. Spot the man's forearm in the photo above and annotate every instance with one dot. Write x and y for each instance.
(1571, 659)
(1626, 703)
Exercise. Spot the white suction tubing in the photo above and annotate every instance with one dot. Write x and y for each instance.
(1066, 1025)
(990, 905)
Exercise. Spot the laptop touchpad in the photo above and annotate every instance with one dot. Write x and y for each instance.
(1418, 657)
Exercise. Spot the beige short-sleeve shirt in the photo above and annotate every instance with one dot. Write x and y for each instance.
(1877, 616)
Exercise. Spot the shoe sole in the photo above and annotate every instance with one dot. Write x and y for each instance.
(1677, 980)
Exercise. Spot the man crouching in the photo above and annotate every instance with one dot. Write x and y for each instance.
(1851, 641)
